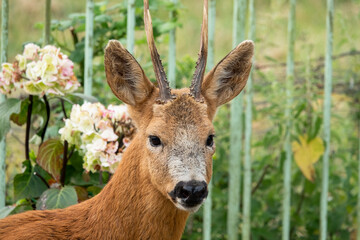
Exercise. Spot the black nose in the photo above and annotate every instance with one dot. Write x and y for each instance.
(191, 193)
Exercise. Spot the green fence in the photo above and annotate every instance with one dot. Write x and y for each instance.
(235, 223)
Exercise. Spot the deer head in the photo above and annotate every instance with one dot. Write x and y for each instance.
(174, 126)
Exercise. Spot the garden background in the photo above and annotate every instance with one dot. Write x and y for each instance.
(270, 110)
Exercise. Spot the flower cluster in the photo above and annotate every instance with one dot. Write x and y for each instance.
(100, 134)
(39, 71)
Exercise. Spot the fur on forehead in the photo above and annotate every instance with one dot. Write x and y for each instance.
(184, 110)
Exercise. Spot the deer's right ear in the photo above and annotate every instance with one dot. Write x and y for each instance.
(125, 76)
(226, 80)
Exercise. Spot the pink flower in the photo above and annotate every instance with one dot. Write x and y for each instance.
(67, 67)
(112, 147)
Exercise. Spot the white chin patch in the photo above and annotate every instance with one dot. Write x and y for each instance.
(188, 209)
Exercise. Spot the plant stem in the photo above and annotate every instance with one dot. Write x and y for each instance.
(65, 160)
(28, 125)
(63, 107)
(66, 147)
(47, 105)
(260, 179)
(42, 179)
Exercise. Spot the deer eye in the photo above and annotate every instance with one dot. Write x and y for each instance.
(155, 141)
(210, 141)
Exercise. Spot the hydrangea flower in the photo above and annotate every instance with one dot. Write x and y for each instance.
(100, 134)
(39, 71)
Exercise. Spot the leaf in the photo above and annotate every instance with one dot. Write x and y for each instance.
(20, 118)
(23, 207)
(50, 157)
(7, 108)
(82, 193)
(57, 198)
(27, 185)
(91, 99)
(94, 190)
(5, 211)
(307, 153)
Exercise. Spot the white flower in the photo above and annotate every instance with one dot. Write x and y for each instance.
(22, 61)
(33, 70)
(31, 51)
(49, 67)
(119, 112)
(109, 135)
(96, 134)
(50, 49)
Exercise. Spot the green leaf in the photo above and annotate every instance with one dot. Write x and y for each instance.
(27, 185)
(91, 99)
(57, 198)
(20, 118)
(22, 208)
(94, 190)
(7, 108)
(50, 157)
(5, 211)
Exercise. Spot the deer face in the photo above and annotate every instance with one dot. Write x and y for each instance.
(179, 148)
(175, 126)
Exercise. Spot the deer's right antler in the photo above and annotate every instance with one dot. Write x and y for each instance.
(164, 88)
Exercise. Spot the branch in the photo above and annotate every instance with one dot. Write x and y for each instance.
(63, 107)
(28, 125)
(261, 179)
(65, 160)
(66, 147)
(74, 35)
(47, 105)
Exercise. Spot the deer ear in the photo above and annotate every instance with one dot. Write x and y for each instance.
(226, 80)
(124, 75)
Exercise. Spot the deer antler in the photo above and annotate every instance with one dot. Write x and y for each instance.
(164, 88)
(195, 88)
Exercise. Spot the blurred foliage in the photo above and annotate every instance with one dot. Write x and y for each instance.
(268, 112)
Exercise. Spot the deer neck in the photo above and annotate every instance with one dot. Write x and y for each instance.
(132, 204)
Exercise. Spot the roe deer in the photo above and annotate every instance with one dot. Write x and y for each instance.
(164, 173)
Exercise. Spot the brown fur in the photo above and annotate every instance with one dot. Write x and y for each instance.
(135, 204)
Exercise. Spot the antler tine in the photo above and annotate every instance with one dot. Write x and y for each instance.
(164, 88)
(195, 88)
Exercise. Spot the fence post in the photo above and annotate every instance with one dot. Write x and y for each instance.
(89, 42)
(246, 230)
(210, 65)
(288, 117)
(172, 50)
(236, 112)
(4, 50)
(327, 117)
(130, 30)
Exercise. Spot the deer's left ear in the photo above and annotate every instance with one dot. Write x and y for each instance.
(226, 80)
(124, 75)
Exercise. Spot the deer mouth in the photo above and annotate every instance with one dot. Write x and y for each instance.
(189, 196)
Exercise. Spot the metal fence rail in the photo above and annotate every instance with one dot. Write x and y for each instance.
(288, 116)
(209, 65)
(89, 43)
(236, 132)
(4, 52)
(246, 229)
(327, 116)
